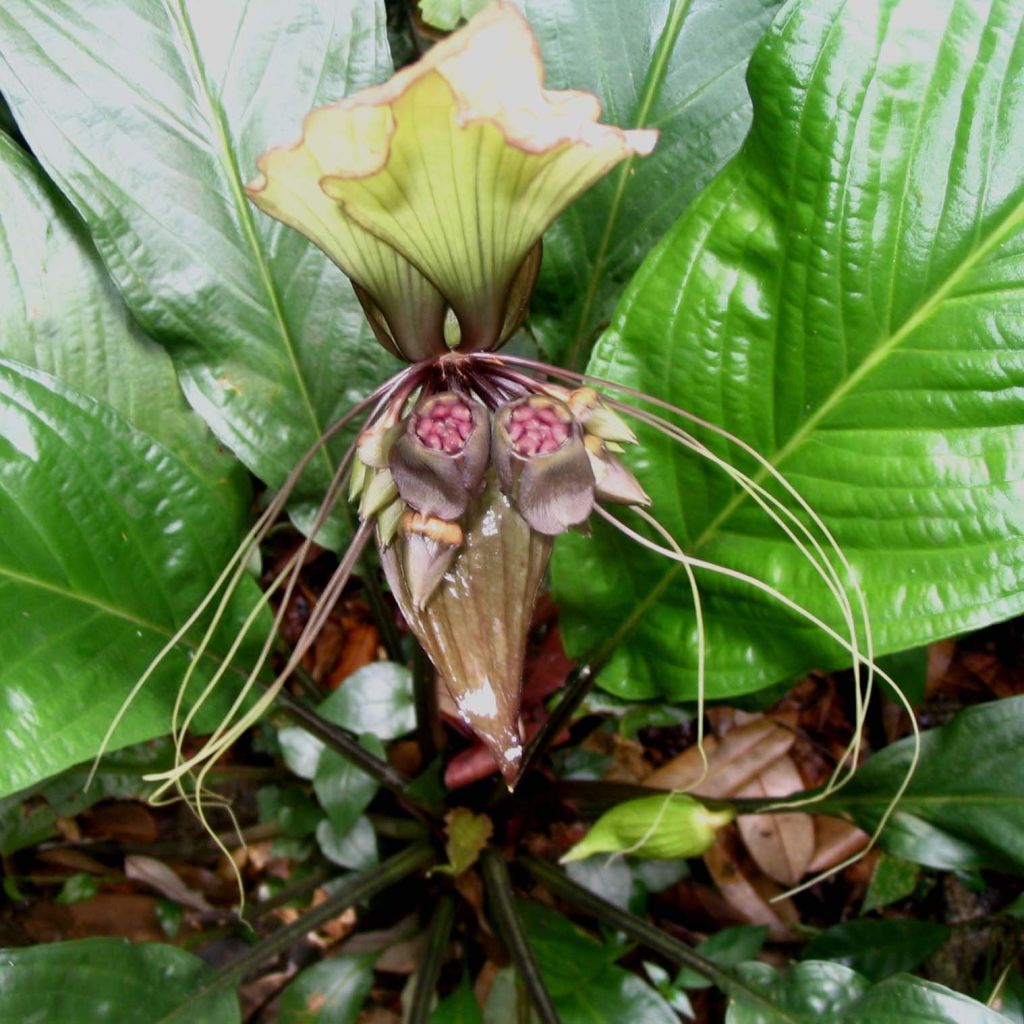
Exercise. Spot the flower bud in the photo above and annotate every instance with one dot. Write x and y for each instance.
(428, 547)
(542, 464)
(612, 481)
(653, 827)
(379, 491)
(597, 418)
(439, 459)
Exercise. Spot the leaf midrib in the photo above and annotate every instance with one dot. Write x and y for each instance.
(885, 348)
(229, 164)
(112, 611)
(655, 80)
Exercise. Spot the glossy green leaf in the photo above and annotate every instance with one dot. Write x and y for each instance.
(374, 699)
(893, 879)
(105, 981)
(845, 297)
(343, 790)
(109, 542)
(460, 1007)
(815, 991)
(727, 948)
(31, 815)
(60, 312)
(692, 90)
(354, 848)
(880, 948)
(581, 975)
(330, 992)
(964, 808)
(150, 115)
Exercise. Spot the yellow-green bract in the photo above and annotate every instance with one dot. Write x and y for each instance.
(653, 827)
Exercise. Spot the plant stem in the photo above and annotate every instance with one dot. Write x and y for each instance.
(425, 696)
(499, 891)
(600, 795)
(647, 935)
(430, 966)
(355, 890)
(381, 611)
(576, 689)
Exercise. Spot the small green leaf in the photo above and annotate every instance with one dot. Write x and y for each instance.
(729, 947)
(374, 699)
(112, 981)
(330, 992)
(467, 835)
(460, 1007)
(291, 807)
(878, 949)
(655, 827)
(355, 849)
(582, 977)
(446, 14)
(343, 790)
(78, 888)
(892, 880)
(964, 809)
(815, 991)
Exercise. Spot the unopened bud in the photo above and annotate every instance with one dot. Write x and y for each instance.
(598, 419)
(430, 545)
(440, 457)
(374, 443)
(388, 520)
(664, 827)
(542, 465)
(612, 480)
(380, 491)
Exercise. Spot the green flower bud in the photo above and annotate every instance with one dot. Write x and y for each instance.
(654, 828)
(612, 481)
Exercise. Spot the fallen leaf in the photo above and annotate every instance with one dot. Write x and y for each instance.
(159, 876)
(782, 845)
(835, 840)
(743, 753)
(124, 820)
(747, 892)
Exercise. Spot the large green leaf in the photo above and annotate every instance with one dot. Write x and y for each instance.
(59, 312)
(108, 543)
(964, 808)
(330, 992)
(150, 115)
(104, 981)
(878, 948)
(846, 297)
(674, 65)
(815, 991)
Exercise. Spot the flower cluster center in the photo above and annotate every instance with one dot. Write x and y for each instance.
(444, 424)
(536, 429)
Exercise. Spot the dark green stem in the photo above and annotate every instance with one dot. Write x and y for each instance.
(576, 689)
(425, 696)
(599, 796)
(499, 892)
(382, 613)
(347, 744)
(430, 966)
(647, 935)
(355, 890)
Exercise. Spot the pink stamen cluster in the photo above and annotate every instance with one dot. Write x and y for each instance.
(444, 425)
(536, 429)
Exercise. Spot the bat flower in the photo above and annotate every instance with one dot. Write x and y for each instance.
(432, 191)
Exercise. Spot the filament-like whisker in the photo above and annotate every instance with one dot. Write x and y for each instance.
(778, 512)
(236, 566)
(698, 615)
(862, 687)
(753, 581)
